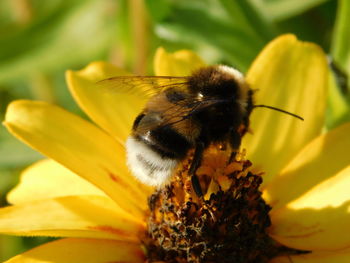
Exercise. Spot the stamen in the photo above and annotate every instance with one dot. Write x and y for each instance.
(228, 225)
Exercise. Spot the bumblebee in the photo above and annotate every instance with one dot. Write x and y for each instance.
(212, 105)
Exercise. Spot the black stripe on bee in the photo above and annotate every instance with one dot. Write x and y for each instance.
(137, 120)
(172, 141)
(166, 142)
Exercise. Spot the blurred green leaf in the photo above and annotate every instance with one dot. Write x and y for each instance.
(9, 246)
(219, 27)
(314, 25)
(244, 14)
(158, 9)
(338, 108)
(74, 32)
(340, 49)
(124, 33)
(278, 10)
(8, 179)
(133, 40)
(14, 153)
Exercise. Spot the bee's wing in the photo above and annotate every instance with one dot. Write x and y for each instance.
(148, 86)
(187, 108)
(144, 86)
(177, 112)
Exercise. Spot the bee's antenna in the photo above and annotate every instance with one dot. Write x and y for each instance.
(280, 110)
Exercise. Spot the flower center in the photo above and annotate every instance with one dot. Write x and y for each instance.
(227, 225)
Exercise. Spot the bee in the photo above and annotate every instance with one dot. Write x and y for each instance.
(212, 105)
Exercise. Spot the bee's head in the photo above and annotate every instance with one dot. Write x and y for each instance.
(221, 82)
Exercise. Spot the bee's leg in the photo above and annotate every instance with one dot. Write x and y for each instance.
(235, 140)
(196, 162)
(340, 75)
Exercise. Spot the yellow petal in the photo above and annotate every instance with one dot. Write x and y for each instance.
(79, 146)
(179, 63)
(290, 75)
(316, 257)
(73, 250)
(47, 179)
(70, 216)
(318, 220)
(111, 110)
(321, 159)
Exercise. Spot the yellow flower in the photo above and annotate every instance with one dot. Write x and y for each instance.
(101, 212)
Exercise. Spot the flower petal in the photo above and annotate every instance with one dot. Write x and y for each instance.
(70, 216)
(316, 257)
(74, 250)
(47, 179)
(290, 75)
(113, 111)
(319, 219)
(321, 159)
(79, 146)
(179, 63)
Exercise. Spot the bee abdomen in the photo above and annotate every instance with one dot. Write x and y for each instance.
(169, 143)
(147, 165)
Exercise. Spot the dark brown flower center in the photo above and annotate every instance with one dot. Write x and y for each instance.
(227, 225)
